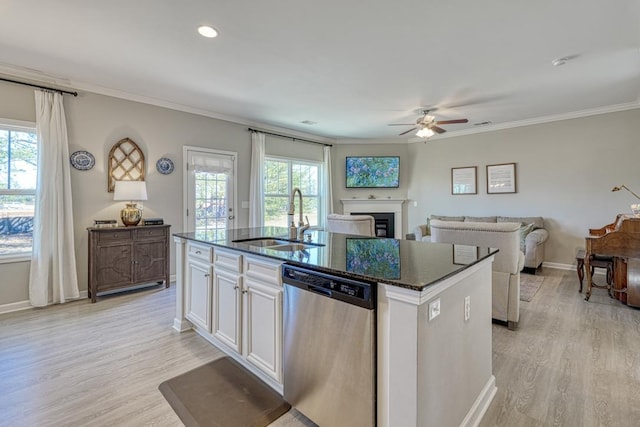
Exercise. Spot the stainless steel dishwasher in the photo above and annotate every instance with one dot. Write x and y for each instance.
(329, 347)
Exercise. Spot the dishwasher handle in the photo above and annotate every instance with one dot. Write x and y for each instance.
(318, 290)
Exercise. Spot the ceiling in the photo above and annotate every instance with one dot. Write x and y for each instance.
(352, 67)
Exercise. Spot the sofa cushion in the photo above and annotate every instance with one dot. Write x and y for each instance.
(523, 220)
(448, 218)
(524, 232)
(480, 219)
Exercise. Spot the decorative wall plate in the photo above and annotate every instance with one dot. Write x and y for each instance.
(164, 166)
(82, 160)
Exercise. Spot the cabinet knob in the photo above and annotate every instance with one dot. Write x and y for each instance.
(244, 291)
(207, 275)
(198, 252)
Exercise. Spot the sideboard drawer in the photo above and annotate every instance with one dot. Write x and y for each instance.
(114, 236)
(150, 233)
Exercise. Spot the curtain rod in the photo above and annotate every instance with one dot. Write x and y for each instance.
(290, 137)
(39, 87)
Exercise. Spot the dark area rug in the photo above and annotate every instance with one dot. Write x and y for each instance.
(222, 393)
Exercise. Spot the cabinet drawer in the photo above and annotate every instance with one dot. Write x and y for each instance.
(201, 252)
(265, 271)
(114, 236)
(150, 233)
(228, 260)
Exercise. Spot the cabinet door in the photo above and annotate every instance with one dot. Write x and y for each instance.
(114, 268)
(227, 308)
(198, 290)
(263, 308)
(150, 261)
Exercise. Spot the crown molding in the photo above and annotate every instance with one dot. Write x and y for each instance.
(39, 77)
(537, 121)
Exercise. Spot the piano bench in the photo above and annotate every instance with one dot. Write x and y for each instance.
(599, 261)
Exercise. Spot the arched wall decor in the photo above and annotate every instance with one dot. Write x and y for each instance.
(126, 163)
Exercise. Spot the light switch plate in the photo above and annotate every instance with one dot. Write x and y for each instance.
(467, 308)
(434, 309)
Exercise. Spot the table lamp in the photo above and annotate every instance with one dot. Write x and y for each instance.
(132, 191)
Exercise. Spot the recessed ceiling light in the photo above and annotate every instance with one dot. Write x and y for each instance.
(207, 31)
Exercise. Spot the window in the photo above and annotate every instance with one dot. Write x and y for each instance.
(18, 171)
(280, 177)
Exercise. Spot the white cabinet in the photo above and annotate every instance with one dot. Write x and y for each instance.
(263, 326)
(234, 300)
(227, 301)
(198, 289)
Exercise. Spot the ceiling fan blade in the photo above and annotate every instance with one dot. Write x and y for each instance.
(436, 129)
(401, 124)
(405, 132)
(448, 122)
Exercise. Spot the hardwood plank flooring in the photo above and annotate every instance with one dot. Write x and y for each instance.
(570, 363)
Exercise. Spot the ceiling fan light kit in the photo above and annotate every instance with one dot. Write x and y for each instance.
(425, 133)
(427, 125)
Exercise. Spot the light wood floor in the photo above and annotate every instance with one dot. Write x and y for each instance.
(571, 363)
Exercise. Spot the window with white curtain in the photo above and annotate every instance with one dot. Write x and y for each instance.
(18, 173)
(281, 175)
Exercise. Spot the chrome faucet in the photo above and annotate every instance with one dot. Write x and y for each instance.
(296, 232)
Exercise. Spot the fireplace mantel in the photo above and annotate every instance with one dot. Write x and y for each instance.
(377, 205)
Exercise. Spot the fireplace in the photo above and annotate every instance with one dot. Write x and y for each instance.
(385, 222)
(378, 206)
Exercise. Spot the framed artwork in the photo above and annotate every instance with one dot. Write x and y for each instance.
(464, 180)
(501, 178)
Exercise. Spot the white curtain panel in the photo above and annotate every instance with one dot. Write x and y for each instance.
(256, 185)
(53, 277)
(328, 193)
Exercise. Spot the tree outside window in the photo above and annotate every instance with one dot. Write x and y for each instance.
(280, 177)
(18, 173)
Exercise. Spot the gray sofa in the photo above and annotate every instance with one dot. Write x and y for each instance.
(505, 280)
(535, 235)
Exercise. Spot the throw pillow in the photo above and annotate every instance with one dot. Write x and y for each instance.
(524, 231)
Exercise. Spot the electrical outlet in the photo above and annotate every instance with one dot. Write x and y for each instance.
(467, 308)
(434, 309)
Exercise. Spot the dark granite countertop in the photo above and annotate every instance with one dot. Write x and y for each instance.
(404, 263)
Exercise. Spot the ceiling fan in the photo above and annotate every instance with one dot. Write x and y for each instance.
(427, 125)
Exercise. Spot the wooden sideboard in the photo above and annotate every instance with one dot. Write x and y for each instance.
(122, 257)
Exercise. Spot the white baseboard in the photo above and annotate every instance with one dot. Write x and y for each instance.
(559, 266)
(25, 305)
(570, 267)
(14, 306)
(480, 406)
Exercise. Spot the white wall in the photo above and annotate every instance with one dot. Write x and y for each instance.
(565, 171)
(342, 151)
(95, 123)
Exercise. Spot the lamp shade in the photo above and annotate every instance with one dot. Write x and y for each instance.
(130, 190)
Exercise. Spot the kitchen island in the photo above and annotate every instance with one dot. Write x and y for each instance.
(433, 312)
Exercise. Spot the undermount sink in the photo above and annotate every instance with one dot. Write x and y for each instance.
(278, 244)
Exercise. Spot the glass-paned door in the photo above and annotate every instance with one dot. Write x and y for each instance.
(210, 192)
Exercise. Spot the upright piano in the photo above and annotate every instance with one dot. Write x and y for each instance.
(620, 240)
